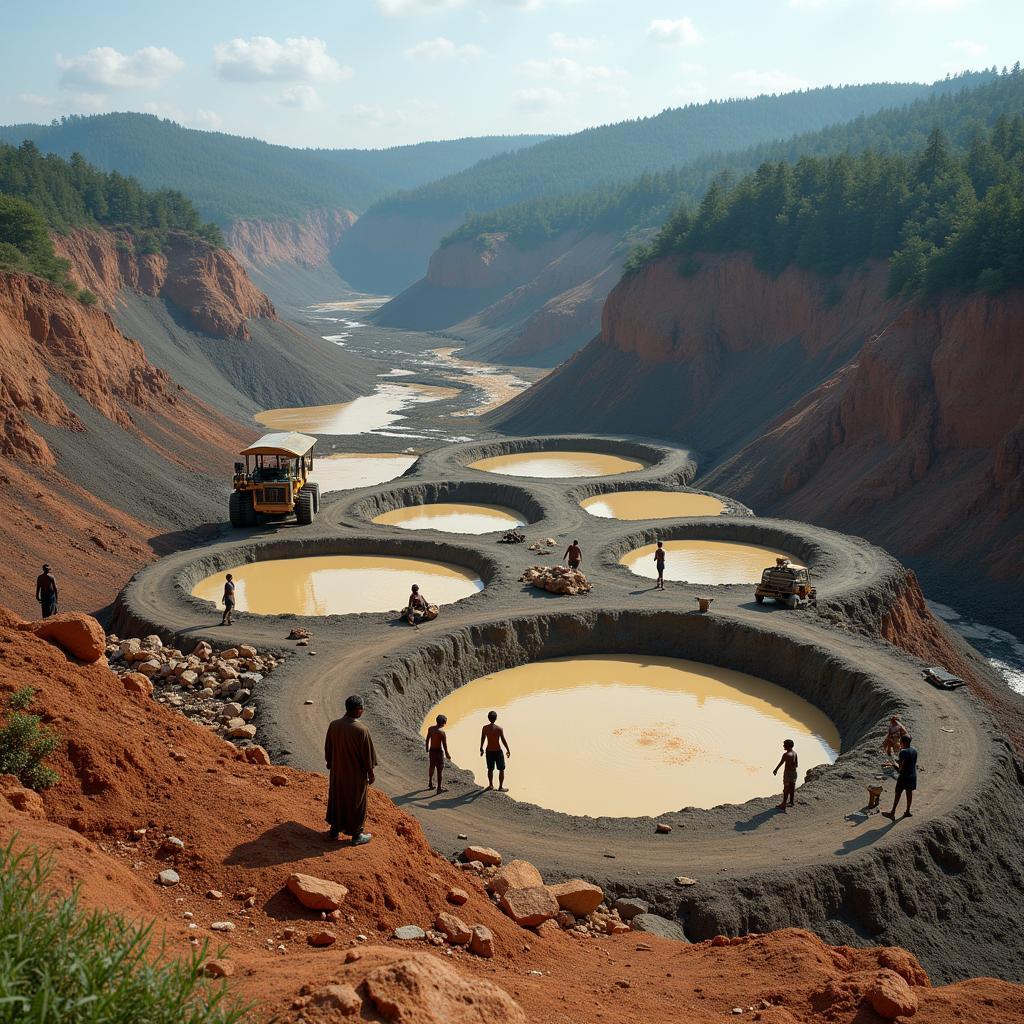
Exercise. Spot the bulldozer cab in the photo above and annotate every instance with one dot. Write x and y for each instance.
(273, 480)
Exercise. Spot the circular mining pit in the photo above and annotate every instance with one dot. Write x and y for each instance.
(712, 563)
(347, 471)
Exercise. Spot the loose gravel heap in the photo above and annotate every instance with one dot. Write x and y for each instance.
(556, 579)
(213, 689)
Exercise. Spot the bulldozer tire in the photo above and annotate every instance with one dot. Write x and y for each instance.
(240, 510)
(314, 489)
(792, 602)
(759, 598)
(304, 508)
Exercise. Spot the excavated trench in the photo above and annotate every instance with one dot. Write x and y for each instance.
(945, 883)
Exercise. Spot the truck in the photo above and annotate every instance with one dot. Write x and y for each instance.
(273, 481)
(786, 584)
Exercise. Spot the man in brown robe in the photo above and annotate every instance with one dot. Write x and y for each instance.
(351, 759)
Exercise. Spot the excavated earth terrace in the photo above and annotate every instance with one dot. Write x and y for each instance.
(943, 883)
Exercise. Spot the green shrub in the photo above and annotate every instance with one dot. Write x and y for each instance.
(87, 298)
(25, 743)
(62, 964)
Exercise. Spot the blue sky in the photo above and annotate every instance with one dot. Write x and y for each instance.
(385, 72)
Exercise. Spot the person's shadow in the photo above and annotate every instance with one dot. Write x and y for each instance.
(757, 820)
(863, 840)
(285, 843)
(426, 799)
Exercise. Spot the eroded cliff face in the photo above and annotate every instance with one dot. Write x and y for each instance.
(206, 284)
(307, 241)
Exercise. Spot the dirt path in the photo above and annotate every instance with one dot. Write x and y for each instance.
(828, 866)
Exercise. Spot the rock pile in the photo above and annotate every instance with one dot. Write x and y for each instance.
(214, 690)
(512, 537)
(556, 579)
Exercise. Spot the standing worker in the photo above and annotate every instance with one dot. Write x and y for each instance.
(437, 752)
(906, 779)
(228, 600)
(659, 561)
(574, 555)
(789, 773)
(46, 592)
(493, 736)
(351, 759)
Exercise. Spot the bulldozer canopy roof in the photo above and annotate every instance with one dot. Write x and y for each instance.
(290, 443)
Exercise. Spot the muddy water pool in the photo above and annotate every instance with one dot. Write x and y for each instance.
(632, 505)
(349, 470)
(452, 517)
(555, 465)
(712, 562)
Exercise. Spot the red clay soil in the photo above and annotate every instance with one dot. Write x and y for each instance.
(205, 283)
(127, 763)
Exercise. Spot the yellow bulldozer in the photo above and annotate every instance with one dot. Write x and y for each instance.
(273, 481)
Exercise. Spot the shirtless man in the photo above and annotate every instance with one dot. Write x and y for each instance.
(228, 600)
(573, 555)
(494, 736)
(437, 751)
(417, 608)
(659, 561)
(891, 743)
(789, 759)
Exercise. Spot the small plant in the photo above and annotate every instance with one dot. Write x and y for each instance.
(25, 743)
(87, 298)
(62, 964)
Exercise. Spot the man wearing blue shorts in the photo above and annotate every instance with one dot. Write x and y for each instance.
(906, 779)
(492, 736)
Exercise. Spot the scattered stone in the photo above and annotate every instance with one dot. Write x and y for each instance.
(548, 928)
(223, 926)
(462, 836)
(628, 907)
(613, 927)
(324, 938)
(644, 947)
(279, 780)
(243, 731)
(516, 874)
(214, 894)
(556, 579)
(220, 968)
(891, 997)
(655, 925)
(482, 941)
(202, 650)
(529, 907)
(75, 633)
(453, 928)
(662, 829)
(483, 854)
(137, 683)
(299, 633)
(409, 932)
(685, 881)
(172, 844)
(257, 754)
(457, 896)
(578, 897)
(168, 877)
(566, 920)
(342, 998)
(316, 893)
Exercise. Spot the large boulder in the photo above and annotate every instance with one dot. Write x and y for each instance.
(453, 928)
(578, 897)
(481, 942)
(890, 996)
(529, 907)
(655, 925)
(317, 893)
(484, 854)
(75, 633)
(516, 874)
(629, 906)
(421, 989)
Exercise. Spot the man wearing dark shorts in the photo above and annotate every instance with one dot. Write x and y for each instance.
(493, 736)
(228, 600)
(659, 561)
(906, 780)
(46, 592)
(574, 555)
(437, 751)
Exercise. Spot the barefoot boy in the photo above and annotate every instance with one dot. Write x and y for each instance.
(437, 751)
(789, 759)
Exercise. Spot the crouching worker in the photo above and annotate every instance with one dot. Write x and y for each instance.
(419, 609)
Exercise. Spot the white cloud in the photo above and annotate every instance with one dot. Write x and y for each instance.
(969, 47)
(674, 32)
(571, 44)
(568, 70)
(300, 97)
(260, 58)
(754, 83)
(692, 69)
(167, 110)
(930, 6)
(33, 99)
(398, 8)
(443, 49)
(543, 98)
(89, 103)
(106, 68)
(691, 91)
(207, 119)
(381, 117)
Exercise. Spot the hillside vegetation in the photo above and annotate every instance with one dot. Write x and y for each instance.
(230, 177)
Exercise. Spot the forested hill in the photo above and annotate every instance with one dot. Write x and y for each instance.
(42, 193)
(648, 201)
(617, 152)
(229, 177)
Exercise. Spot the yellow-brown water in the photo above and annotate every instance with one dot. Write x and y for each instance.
(628, 735)
(558, 464)
(450, 517)
(360, 416)
(339, 584)
(713, 562)
(652, 505)
(349, 470)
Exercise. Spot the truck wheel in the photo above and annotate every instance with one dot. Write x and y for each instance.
(240, 510)
(304, 508)
(759, 598)
(792, 602)
(314, 489)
